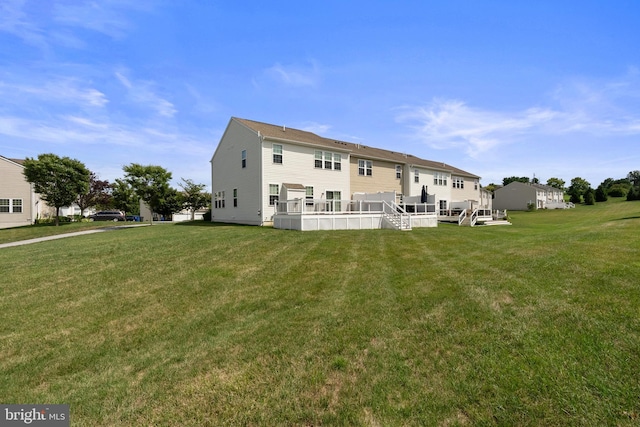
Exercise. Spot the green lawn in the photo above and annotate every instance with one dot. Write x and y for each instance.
(537, 324)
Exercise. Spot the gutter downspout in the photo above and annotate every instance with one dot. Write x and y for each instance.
(260, 179)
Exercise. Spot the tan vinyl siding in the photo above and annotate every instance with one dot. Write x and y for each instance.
(14, 187)
(383, 177)
(468, 192)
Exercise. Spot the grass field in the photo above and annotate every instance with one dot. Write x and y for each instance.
(534, 324)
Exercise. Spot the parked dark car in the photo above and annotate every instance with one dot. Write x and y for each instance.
(108, 216)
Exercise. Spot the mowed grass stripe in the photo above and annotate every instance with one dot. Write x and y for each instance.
(199, 324)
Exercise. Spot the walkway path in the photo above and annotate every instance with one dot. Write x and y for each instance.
(61, 236)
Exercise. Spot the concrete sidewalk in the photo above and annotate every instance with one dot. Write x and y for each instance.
(62, 236)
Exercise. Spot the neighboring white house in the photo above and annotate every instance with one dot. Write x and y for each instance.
(518, 196)
(256, 165)
(19, 204)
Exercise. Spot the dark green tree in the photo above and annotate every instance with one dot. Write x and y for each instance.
(556, 183)
(193, 196)
(577, 189)
(171, 202)
(124, 198)
(589, 197)
(509, 180)
(58, 180)
(150, 183)
(601, 194)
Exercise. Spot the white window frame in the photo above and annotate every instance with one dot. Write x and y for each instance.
(11, 206)
(309, 195)
(235, 197)
(457, 182)
(365, 167)
(416, 176)
(439, 178)
(327, 160)
(337, 161)
(398, 171)
(277, 154)
(334, 206)
(244, 158)
(274, 196)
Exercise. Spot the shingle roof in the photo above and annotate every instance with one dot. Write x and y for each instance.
(18, 161)
(301, 136)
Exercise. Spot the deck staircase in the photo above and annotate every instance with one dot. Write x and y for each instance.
(469, 218)
(395, 217)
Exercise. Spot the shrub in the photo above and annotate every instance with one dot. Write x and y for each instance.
(575, 198)
(207, 215)
(589, 197)
(531, 207)
(601, 194)
(618, 190)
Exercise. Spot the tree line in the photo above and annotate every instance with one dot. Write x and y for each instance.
(580, 189)
(62, 181)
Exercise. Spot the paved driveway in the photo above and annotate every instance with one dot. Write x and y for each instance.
(62, 236)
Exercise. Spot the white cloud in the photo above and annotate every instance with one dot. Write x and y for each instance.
(143, 93)
(448, 124)
(14, 20)
(108, 17)
(317, 128)
(295, 75)
(599, 109)
(54, 90)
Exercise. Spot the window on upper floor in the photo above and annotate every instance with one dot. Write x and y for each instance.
(439, 178)
(416, 176)
(398, 171)
(244, 158)
(458, 182)
(235, 197)
(365, 167)
(277, 154)
(475, 184)
(327, 160)
(337, 161)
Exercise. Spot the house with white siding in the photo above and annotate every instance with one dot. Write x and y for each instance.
(264, 174)
(19, 204)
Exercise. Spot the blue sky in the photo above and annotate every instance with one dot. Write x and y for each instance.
(498, 88)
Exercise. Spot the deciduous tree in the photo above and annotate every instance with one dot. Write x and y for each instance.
(98, 193)
(556, 183)
(58, 180)
(578, 188)
(150, 183)
(509, 180)
(193, 196)
(124, 198)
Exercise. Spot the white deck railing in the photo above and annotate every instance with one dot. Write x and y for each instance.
(462, 216)
(345, 207)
